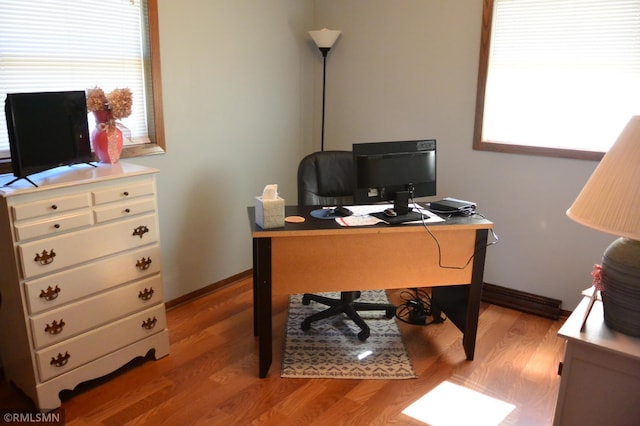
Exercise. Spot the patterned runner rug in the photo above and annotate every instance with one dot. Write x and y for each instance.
(331, 348)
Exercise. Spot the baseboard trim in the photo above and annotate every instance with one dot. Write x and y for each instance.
(491, 293)
(208, 289)
(522, 301)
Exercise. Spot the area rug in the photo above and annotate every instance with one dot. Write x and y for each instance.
(331, 348)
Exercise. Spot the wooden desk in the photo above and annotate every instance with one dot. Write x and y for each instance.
(319, 255)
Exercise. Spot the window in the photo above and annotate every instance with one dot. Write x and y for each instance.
(50, 45)
(557, 77)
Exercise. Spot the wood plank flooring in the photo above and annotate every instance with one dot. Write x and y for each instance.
(210, 376)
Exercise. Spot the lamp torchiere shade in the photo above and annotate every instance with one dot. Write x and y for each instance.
(610, 202)
(325, 38)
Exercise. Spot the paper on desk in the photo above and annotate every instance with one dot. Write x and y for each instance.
(362, 215)
(365, 220)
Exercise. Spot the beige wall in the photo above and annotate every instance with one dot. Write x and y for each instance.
(237, 97)
(408, 69)
(242, 96)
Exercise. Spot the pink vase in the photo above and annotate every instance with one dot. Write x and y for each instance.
(106, 138)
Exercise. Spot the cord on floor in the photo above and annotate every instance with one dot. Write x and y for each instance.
(416, 308)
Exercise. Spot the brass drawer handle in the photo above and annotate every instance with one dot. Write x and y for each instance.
(149, 323)
(143, 264)
(50, 293)
(45, 257)
(55, 327)
(140, 231)
(60, 360)
(146, 294)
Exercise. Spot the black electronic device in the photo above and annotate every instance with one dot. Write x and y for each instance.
(396, 171)
(453, 206)
(47, 130)
(342, 211)
(390, 212)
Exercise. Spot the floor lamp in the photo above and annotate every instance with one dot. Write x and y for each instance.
(324, 39)
(610, 202)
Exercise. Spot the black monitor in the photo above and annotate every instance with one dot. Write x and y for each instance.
(47, 130)
(394, 171)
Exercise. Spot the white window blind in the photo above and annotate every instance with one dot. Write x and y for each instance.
(562, 73)
(56, 45)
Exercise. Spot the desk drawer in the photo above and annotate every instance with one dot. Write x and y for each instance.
(79, 350)
(52, 254)
(52, 226)
(57, 289)
(75, 318)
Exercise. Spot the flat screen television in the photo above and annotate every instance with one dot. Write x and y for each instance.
(395, 171)
(47, 130)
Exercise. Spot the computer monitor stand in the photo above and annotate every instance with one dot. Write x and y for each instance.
(402, 211)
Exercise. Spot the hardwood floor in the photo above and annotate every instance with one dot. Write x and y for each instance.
(210, 376)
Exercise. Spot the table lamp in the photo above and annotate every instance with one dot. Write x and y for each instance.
(324, 39)
(610, 202)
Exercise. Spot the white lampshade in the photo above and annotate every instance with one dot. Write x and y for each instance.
(610, 200)
(324, 37)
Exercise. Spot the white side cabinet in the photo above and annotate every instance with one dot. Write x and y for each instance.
(600, 381)
(80, 276)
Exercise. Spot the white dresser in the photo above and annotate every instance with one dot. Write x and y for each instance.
(600, 381)
(80, 276)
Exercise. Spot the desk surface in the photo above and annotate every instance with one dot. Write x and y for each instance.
(312, 225)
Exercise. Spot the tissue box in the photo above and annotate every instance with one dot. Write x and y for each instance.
(270, 213)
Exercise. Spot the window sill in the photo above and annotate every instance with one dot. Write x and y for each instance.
(535, 150)
(128, 152)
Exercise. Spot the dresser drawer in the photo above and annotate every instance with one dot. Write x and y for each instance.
(79, 350)
(57, 289)
(123, 192)
(123, 209)
(52, 254)
(52, 226)
(75, 318)
(50, 206)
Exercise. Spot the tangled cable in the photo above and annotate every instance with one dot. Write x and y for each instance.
(416, 308)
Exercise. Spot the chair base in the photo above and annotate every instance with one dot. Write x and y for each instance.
(345, 305)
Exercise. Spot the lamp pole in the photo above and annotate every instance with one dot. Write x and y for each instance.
(324, 51)
(324, 39)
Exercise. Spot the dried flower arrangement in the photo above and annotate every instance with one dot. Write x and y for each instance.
(117, 102)
(107, 137)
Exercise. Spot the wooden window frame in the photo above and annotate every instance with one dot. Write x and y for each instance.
(157, 144)
(496, 146)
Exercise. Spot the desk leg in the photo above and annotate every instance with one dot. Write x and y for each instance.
(475, 294)
(255, 287)
(262, 322)
(461, 303)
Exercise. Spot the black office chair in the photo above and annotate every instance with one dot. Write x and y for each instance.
(326, 179)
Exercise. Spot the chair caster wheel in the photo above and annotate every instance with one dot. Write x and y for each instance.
(390, 313)
(306, 300)
(305, 326)
(363, 335)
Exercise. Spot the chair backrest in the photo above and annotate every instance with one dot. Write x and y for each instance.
(326, 179)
